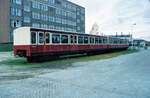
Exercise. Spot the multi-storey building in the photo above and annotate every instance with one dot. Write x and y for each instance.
(59, 15)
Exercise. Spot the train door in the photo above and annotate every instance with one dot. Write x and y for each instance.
(33, 38)
(40, 41)
(73, 41)
(40, 38)
(34, 41)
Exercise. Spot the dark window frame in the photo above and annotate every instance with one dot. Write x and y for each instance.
(92, 40)
(80, 40)
(86, 39)
(73, 39)
(64, 41)
(96, 40)
(47, 40)
(40, 38)
(35, 39)
(57, 39)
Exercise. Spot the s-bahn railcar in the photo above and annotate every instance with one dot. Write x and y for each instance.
(35, 43)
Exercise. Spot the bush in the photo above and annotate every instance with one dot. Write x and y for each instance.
(6, 47)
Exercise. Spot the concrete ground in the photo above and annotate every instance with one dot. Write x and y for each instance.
(125, 76)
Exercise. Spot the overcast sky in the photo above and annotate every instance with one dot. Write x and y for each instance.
(118, 16)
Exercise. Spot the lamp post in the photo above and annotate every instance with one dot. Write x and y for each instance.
(132, 26)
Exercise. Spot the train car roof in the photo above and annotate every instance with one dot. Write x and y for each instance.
(64, 32)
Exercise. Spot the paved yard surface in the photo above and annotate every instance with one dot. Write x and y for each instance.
(125, 76)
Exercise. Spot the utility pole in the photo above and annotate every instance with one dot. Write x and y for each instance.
(132, 26)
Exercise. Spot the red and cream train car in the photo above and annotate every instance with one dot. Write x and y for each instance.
(33, 43)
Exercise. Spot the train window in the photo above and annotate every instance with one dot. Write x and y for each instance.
(100, 40)
(86, 40)
(104, 40)
(75, 39)
(115, 41)
(56, 38)
(121, 41)
(92, 40)
(118, 41)
(127, 41)
(47, 38)
(33, 37)
(41, 38)
(96, 40)
(71, 39)
(64, 39)
(110, 40)
(80, 40)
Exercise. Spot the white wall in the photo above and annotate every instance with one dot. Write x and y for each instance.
(22, 36)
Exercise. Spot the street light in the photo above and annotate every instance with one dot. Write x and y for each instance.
(132, 26)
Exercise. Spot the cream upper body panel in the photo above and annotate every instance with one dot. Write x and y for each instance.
(22, 36)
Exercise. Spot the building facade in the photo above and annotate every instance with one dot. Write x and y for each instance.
(128, 37)
(61, 15)
(140, 43)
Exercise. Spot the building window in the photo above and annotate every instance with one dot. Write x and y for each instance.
(26, 8)
(51, 27)
(51, 9)
(63, 21)
(64, 4)
(63, 29)
(44, 26)
(74, 8)
(73, 15)
(82, 18)
(17, 1)
(78, 13)
(51, 1)
(58, 2)
(26, 19)
(78, 28)
(64, 13)
(58, 11)
(35, 4)
(44, 17)
(15, 23)
(82, 11)
(58, 20)
(16, 12)
(69, 6)
(78, 20)
(44, 7)
(58, 28)
(35, 25)
(35, 15)
(51, 19)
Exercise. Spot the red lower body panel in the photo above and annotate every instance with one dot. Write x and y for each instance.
(60, 48)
